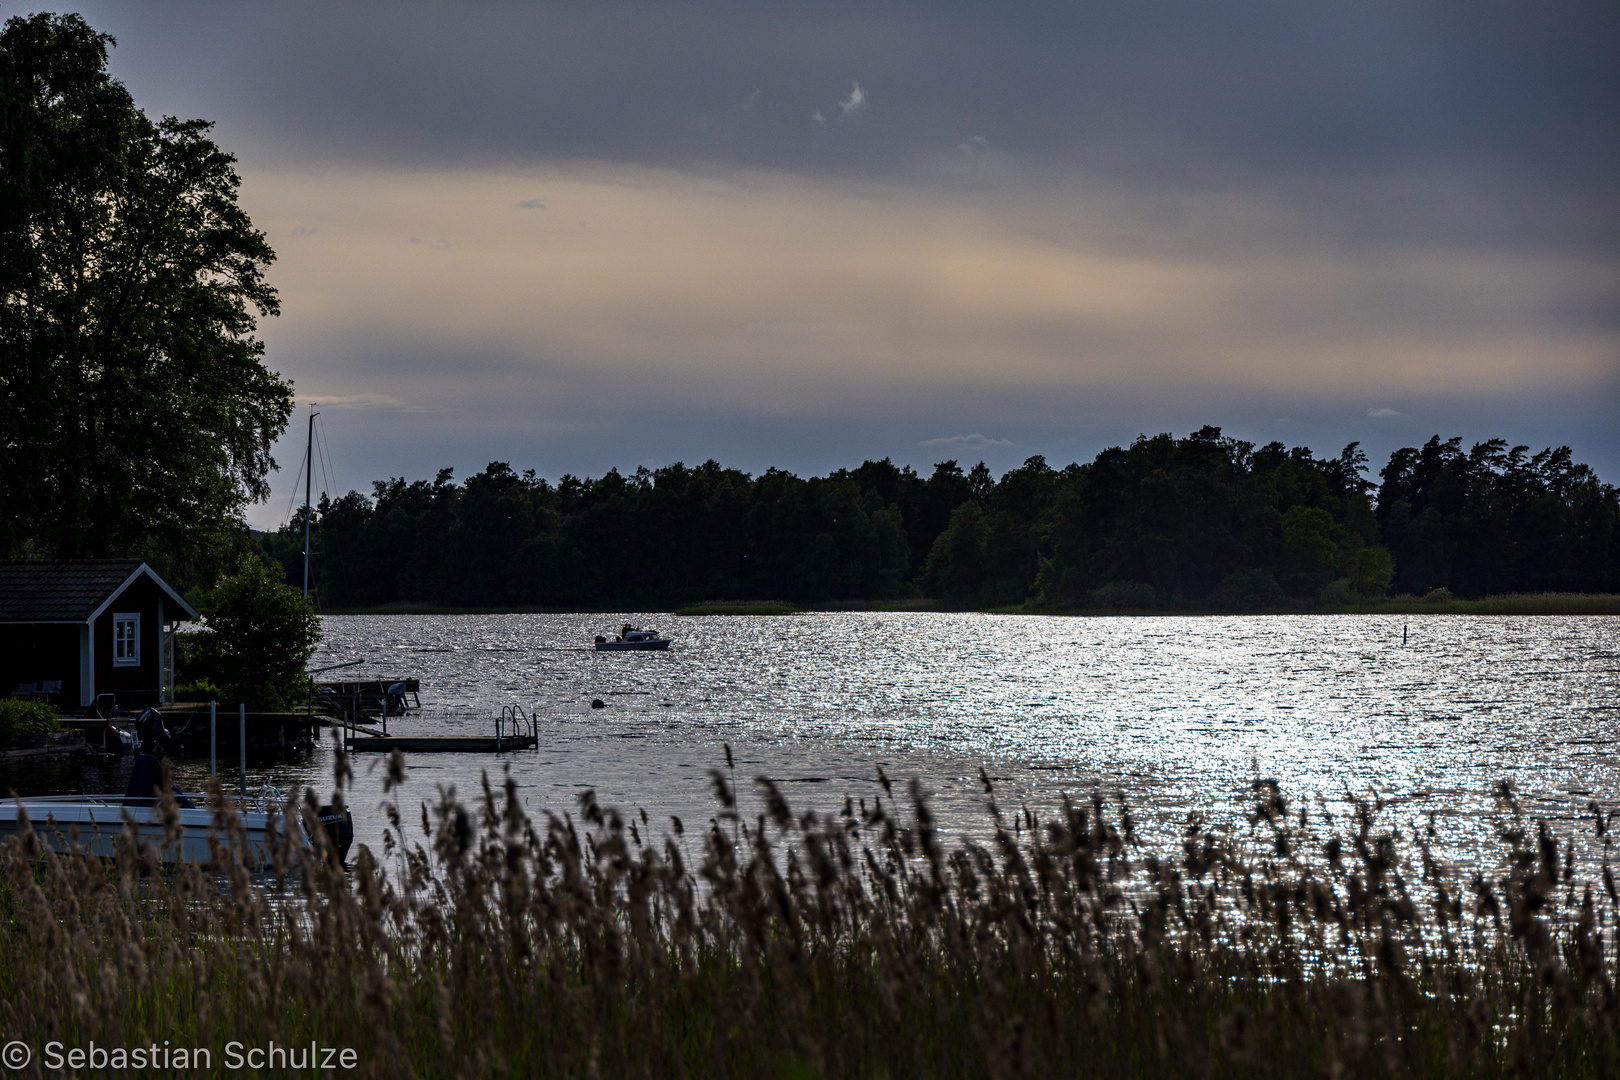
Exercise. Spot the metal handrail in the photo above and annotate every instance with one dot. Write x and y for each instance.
(520, 723)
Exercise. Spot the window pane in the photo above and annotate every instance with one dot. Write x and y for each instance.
(125, 640)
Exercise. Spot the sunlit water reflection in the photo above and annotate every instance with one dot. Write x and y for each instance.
(1178, 714)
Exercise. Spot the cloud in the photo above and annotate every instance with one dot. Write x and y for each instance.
(973, 144)
(855, 103)
(370, 401)
(818, 118)
(1490, 123)
(965, 442)
(305, 230)
(531, 204)
(1382, 414)
(793, 295)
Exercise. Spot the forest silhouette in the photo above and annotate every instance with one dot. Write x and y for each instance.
(1204, 522)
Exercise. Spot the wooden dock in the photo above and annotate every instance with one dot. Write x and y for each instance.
(62, 744)
(270, 736)
(514, 730)
(428, 744)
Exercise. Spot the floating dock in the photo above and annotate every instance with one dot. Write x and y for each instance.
(464, 744)
(514, 730)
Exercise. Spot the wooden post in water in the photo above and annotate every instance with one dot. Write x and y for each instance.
(241, 722)
(213, 736)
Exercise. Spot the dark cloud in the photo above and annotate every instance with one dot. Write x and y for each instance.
(1454, 166)
(1503, 115)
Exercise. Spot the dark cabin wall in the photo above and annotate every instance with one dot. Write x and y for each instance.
(41, 652)
(143, 596)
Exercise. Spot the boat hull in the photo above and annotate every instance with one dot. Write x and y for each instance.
(97, 828)
(655, 645)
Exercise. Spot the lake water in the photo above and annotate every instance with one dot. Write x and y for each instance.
(1178, 714)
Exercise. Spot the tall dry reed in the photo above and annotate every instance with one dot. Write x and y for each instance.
(846, 945)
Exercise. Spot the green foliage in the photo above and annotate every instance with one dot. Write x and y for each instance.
(762, 607)
(1210, 521)
(1498, 520)
(959, 562)
(1248, 589)
(1328, 561)
(1510, 604)
(671, 538)
(1198, 523)
(138, 415)
(1371, 570)
(198, 690)
(257, 637)
(26, 721)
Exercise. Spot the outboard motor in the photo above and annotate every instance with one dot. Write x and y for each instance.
(147, 776)
(339, 826)
(153, 735)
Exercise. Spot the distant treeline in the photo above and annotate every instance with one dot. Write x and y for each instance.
(1201, 522)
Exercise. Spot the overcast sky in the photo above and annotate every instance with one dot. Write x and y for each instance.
(578, 236)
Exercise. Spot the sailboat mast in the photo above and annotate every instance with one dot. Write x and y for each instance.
(309, 475)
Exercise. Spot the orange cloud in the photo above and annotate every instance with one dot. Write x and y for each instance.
(753, 280)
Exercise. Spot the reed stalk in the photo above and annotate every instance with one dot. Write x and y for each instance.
(482, 942)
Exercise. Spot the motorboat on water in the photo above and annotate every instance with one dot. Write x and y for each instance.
(632, 639)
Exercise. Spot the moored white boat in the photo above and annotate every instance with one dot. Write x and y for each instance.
(99, 823)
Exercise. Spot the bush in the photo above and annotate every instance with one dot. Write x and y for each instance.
(1438, 596)
(198, 690)
(1371, 569)
(257, 637)
(1125, 595)
(1247, 590)
(25, 722)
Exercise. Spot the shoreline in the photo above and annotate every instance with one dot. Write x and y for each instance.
(1507, 604)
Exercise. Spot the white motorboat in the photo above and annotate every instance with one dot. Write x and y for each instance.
(632, 638)
(98, 821)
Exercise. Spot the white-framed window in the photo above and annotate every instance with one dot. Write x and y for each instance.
(127, 639)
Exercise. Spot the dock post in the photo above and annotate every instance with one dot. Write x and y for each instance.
(213, 736)
(241, 720)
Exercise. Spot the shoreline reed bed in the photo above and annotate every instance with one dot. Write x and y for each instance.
(838, 945)
(1520, 604)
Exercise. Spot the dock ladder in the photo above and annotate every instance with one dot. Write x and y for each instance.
(514, 723)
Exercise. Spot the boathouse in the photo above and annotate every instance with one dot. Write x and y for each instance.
(89, 632)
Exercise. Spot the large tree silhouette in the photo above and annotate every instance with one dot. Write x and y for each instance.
(138, 413)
